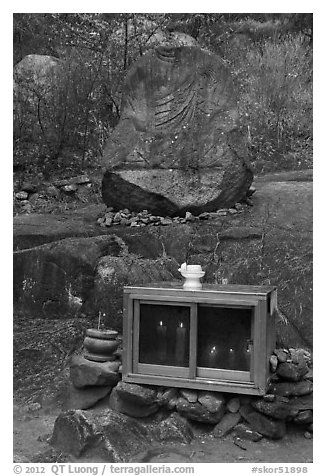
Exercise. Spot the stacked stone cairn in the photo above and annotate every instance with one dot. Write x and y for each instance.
(288, 400)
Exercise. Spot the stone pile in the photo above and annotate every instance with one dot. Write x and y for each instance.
(123, 418)
(29, 193)
(144, 218)
(288, 400)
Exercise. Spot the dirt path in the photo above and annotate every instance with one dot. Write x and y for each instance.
(32, 430)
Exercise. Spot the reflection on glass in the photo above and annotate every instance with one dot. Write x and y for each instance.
(224, 337)
(164, 335)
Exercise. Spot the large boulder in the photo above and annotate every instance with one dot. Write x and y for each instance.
(55, 280)
(178, 145)
(82, 276)
(107, 436)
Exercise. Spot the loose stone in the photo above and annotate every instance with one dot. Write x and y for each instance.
(21, 195)
(228, 422)
(233, 405)
(244, 432)
(273, 363)
(292, 372)
(190, 395)
(281, 355)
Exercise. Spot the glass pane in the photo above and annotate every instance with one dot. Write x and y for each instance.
(164, 335)
(224, 337)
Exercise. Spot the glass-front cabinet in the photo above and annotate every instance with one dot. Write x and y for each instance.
(217, 338)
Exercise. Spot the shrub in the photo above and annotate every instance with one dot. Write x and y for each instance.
(275, 82)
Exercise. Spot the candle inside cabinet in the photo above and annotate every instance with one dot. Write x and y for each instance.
(180, 343)
(212, 356)
(162, 343)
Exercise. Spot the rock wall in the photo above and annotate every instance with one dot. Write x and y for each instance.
(119, 411)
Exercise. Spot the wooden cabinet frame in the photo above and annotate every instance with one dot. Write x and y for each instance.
(260, 299)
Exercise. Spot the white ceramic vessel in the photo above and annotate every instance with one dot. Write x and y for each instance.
(192, 273)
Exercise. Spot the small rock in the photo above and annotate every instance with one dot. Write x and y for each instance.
(292, 372)
(233, 405)
(166, 221)
(164, 397)
(172, 403)
(29, 187)
(309, 375)
(70, 189)
(34, 407)
(269, 397)
(44, 438)
(288, 389)
(131, 408)
(298, 356)
(81, 179)
(281, 355)
(138, 394)
(125, 221)
(227, 423)
(213, 401)
(277, 409)
(108, 222)
(21, 195)
(304, 417)
(190, 395)
(243, 431)
(273, 361)
(175, 429)
(301, 403)
(197, 412)
(52, 191)
(238, 442)
(221, 213)
(269, 427)
(26, 207)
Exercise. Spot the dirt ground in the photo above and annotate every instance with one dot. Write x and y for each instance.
(32, 430)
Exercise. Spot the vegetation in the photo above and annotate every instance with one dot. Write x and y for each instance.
(62, 126)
